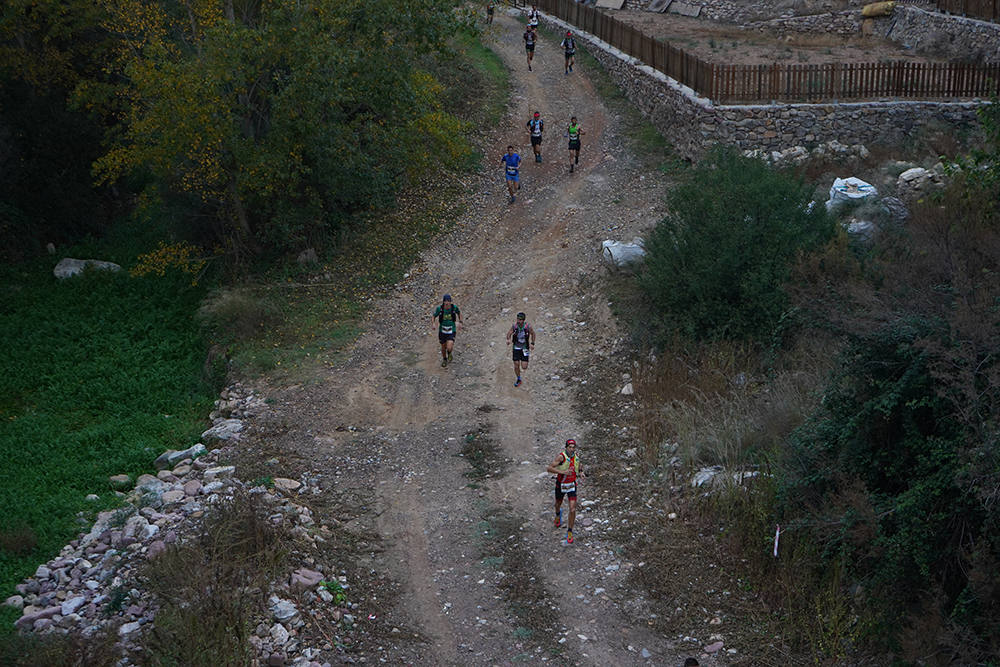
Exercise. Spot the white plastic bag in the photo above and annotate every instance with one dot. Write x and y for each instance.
(849, 189)
(622, 255)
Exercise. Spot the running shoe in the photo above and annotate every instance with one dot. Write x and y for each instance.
(558, 520)
(512, 199)
(571, 168)
(577, 159)
(517, 383)
(449, 355)
(569, 537)
(570, 68)
(444, 363)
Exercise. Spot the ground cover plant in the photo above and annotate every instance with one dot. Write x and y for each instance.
(101, 373)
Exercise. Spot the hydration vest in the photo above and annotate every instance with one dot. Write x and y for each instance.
(574, 132)
(520, 336)
(536, 127)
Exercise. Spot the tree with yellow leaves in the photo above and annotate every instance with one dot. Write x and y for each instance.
(279, 121)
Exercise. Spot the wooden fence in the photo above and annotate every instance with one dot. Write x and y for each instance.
(988, 10)
(729, 84)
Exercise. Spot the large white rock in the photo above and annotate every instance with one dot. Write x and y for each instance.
(226, 429)
(69, 267)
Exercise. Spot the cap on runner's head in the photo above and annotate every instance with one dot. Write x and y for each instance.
(537, 114)
(447, 297)
(521, 316)
(569, 32)
(571, 441)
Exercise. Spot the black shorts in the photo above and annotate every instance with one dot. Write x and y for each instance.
(536, 141)
(521, 354)
(570, 54)
(445, 337)
(560, 493)
(574, 145)
(530, 48)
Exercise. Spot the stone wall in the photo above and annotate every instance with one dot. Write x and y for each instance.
(837, 23)
(944, 35)
(692, 123)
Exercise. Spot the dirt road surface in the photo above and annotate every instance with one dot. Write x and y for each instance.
(440, 472)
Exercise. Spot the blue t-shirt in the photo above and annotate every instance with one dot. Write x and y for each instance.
(512, 162)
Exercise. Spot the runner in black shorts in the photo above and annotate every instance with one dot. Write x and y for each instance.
(567, 469)
(530, 37)
(535, 128)
(523, 337)
(449, 319)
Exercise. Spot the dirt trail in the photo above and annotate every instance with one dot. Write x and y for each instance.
(387, 427)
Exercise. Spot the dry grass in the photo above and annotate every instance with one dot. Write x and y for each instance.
(211, 586)
(719, 406)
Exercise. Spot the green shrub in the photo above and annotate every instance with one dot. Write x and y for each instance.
(717, 263)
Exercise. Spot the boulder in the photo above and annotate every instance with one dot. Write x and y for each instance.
(120, 481)
(861, 230)
(219, 472)
(172, 457)
(303, 579)
(282, 610)
(28, 620)
(69, 267)
(287, 485)
(226, 429)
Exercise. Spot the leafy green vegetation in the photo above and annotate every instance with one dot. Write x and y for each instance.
(864, 383)
(101, 374)
(106, 371)
(718, 264)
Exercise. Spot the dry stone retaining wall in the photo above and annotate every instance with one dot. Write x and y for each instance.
(944, 34)
(692, 123)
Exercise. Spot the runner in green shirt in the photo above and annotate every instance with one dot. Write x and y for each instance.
(574, 132)
(449, 319)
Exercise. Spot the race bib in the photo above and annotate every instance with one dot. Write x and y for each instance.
(568, 487)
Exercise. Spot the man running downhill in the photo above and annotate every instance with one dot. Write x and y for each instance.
(566, 467)
(512, 165)
(523, 337)
(574, 132)
(449, 319)
(530, 37)
(569, 48)
(535, 127)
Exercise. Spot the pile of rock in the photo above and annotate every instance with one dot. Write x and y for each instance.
(796, 155)
(917, 181)
(93, 584)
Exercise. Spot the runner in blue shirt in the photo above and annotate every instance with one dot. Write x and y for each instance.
(512, 163)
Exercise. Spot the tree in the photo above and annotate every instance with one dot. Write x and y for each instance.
(280, 120)
(49, 49)
(716, 265)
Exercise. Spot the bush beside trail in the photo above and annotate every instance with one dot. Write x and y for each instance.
(881, 461)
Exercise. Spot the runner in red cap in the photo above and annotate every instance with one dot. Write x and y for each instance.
(569, 48)
(566, 467)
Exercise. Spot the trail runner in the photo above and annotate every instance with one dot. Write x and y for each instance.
(523, 337)
(449, 319)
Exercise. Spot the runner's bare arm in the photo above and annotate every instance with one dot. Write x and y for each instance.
(531, 332)
(554, 466)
